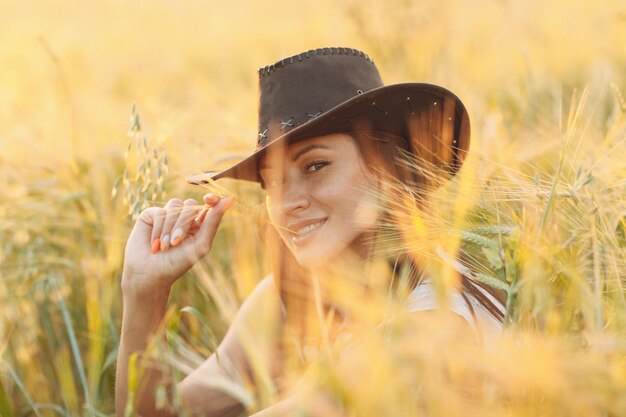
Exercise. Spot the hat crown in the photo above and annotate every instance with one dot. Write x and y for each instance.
(300, 88)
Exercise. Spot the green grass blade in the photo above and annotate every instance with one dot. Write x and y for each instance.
(5, 406)
(76, 354)
(22, 388)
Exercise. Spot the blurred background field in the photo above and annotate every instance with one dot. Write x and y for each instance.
(544, 83)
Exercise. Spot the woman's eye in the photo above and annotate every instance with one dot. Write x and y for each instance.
(316, 166)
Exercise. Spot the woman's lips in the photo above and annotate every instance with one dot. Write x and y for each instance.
(302, 233)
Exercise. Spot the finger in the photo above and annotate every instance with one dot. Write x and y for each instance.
(145, 223)
(184, 221)
(173, 209)
(158, 221)
(210, 224)
(210, 200)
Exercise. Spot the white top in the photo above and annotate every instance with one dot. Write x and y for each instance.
(424, 298)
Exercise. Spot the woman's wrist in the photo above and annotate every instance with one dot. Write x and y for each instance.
(143, 309)
(142, 288)
(139, 325)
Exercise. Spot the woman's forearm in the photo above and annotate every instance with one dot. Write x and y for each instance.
(141, 320)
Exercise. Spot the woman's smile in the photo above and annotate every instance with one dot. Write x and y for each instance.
(304, 231)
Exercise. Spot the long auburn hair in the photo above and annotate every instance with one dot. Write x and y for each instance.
(386, 155)
(418, 177)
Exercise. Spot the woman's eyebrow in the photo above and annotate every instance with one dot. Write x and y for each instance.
(309, 148)
(264, 165)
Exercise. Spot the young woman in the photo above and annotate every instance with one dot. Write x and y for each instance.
(331, 138)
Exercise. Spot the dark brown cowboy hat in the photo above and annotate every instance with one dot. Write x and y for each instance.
(331, 90)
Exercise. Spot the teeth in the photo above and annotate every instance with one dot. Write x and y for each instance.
(308, 228)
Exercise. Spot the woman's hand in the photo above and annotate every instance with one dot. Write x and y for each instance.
(166, 242)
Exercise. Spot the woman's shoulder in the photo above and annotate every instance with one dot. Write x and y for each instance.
(258, 315)
(264, 295)
(266, 286)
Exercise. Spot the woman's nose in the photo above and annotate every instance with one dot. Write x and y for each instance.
(293, 197)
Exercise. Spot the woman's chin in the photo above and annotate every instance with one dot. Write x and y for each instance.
(323, 258)
(318, 256)
(312, 260)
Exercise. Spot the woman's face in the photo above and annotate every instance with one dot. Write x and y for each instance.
(319, 197)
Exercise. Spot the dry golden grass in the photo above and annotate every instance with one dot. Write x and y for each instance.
(539, 207)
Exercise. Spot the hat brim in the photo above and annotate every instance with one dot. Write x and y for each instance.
(406, 110)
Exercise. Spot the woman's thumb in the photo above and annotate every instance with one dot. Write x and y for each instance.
(145, 222)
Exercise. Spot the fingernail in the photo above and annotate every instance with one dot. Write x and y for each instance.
(165, 242)
(211, 199)
(177, 236)
(156, 245)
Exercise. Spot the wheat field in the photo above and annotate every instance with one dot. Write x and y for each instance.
(540, 205)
